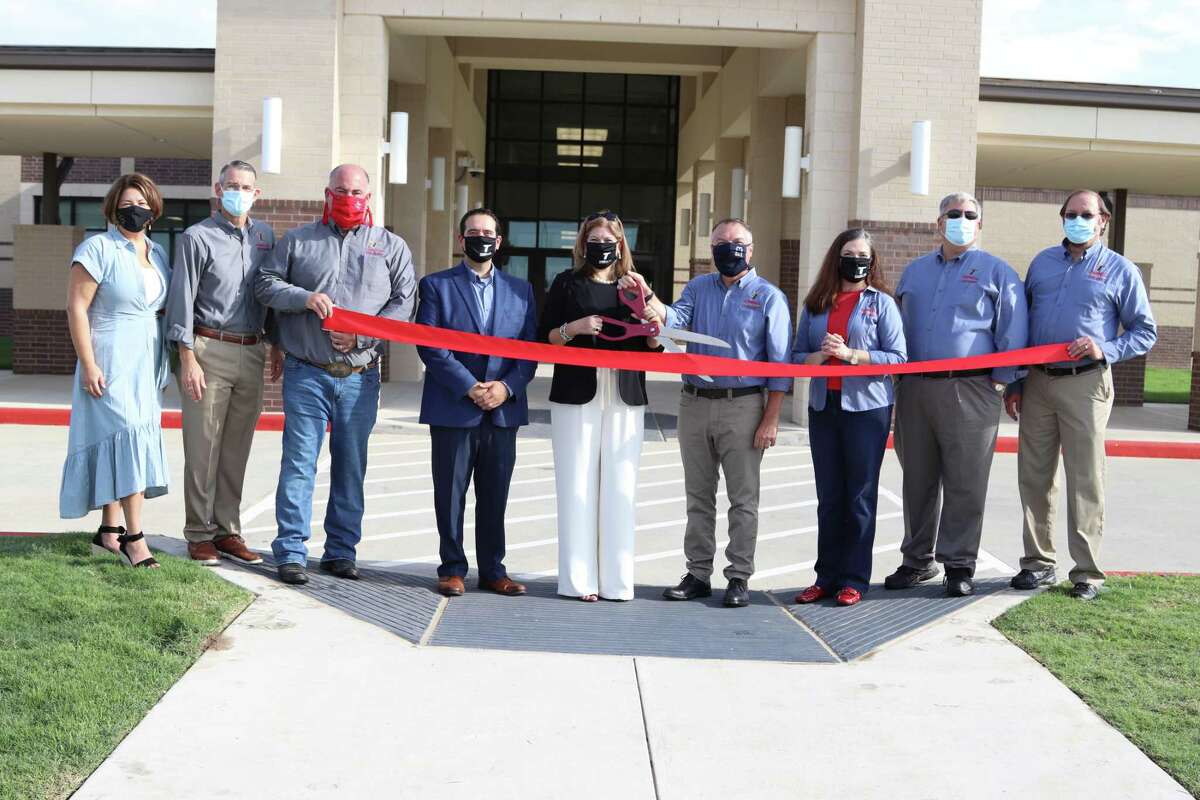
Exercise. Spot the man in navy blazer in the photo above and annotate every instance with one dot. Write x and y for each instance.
(473, 404)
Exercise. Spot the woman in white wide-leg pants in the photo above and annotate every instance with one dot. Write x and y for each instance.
(597, 418)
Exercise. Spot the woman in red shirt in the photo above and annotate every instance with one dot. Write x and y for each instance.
(849, 317)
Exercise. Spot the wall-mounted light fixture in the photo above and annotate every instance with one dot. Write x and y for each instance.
(272, 134)
(396, 148)
(438, 184)
(922, 138)
(737, 192)
(685, 226)
(703, 210)
(462, 196)
(794, 160)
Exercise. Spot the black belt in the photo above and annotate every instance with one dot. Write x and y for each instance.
(1058, 372)
(962, 373)
(721, 394)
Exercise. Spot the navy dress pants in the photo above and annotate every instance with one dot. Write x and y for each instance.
(847, 452)
(487, 454)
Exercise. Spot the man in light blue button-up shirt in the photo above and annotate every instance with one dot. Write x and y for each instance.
(1079, 292)
(955, 301)
(725, 423)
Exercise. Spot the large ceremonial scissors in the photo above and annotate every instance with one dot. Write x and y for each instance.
(633, 298)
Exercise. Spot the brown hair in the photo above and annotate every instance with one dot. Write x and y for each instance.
(1100, 202)
(624, 264)
(829, 281)
(134, 180)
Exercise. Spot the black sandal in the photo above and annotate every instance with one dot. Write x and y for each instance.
(125, 539)
(98, 548)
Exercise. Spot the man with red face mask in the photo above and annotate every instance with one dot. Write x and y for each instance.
(331, 378)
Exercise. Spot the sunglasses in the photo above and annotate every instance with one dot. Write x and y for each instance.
(608, 215)
(955, 213)
(1086, 215)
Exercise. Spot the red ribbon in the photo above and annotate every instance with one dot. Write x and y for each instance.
(460, 341)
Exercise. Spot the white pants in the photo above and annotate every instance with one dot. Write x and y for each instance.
(597, 447)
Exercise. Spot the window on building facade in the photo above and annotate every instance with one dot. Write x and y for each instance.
(85, 212)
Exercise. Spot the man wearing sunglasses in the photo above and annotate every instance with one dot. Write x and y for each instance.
(1079, 291)
(955, 301)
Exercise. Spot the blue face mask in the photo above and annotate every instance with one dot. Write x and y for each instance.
(960, 231)
(1079, 230)
(237, 203)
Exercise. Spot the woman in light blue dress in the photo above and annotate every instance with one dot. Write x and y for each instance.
(115, 454)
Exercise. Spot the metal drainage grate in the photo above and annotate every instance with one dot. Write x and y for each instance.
(882, 615)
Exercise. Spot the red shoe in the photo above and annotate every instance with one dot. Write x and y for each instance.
(812, 594)
(848, 596)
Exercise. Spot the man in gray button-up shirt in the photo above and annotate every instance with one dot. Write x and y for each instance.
(217, 324)
(331, 378)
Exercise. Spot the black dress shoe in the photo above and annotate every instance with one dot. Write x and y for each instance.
(906, 577)
(340, 568)
(737, 593)
(1084, 591)
(1028, 579)
(689, 588)
(292, 573)
(958, 582)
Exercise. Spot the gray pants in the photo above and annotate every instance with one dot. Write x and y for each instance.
(945, 439)
(719, 434)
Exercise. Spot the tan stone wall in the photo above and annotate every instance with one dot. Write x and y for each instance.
(10, 214)
(42, 262)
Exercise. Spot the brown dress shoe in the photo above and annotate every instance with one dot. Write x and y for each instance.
(234, 547)
(451, 586)
(505, 585)
(203, 553)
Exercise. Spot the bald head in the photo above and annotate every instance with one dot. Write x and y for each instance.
(349, 179)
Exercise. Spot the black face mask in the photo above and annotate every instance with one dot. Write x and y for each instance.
(730, 258)
(479, 249)
(600, 254)
(134, 218)
(854, 268)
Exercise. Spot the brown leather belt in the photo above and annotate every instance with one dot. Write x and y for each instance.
(339, 369)
(222, 336)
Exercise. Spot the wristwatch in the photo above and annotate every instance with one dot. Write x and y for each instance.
(998, 386)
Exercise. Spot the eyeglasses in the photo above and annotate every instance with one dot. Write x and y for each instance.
(608, 215)
(1086, 215)
(955, 213)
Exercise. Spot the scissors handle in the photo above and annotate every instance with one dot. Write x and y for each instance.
(629, 330)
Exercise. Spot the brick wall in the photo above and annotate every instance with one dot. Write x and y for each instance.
(1194, 405)
(41, 342)
(898, 243)
(84, 170)
(1129, 382)
(789, 273)
(175, 171)
(6, 312)
(1173, 349)
(700, 266)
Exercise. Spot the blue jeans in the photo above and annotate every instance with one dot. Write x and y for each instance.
(312, 400)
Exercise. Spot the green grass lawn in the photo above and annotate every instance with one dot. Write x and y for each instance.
(1133, 655)
(87, 647)
(5, 352)
(1168, 384)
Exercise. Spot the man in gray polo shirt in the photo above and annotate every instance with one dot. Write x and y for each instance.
(217, 325)
(331, 379)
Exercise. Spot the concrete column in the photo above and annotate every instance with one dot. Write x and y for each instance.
(439, 241)
(764, 162)
(408, 207)
(828, 122)
(728, 156)
(363, 99)
(1194, 400)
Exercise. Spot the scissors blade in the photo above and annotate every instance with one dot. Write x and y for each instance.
(687, 336)
(674, 348)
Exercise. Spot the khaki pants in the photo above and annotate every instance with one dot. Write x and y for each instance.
(719, 434)
(945, 438)
(217, 433)
(1067, 413)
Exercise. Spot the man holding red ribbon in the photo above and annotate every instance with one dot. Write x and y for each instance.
(331, 378)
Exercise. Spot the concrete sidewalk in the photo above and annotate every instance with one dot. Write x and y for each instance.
(298, 700)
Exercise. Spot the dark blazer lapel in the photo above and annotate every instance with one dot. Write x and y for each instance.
(462, 282)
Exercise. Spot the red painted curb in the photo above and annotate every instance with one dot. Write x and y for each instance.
(1119, 448)
(269, 421)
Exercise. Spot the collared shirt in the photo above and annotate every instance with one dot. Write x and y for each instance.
(484, 290)
(751, 315)
(1089, 297)
(212, 284)
(875, 326)
(368, 270)
(971, 305)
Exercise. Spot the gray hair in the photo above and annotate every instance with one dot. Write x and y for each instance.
(236, 165)
(734, 221)
(958, 197)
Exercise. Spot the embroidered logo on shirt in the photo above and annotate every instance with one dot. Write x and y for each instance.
(1097, 272)
(752, 301)
(970, 277)
(870, 312)
(372, 250)
(263, 246)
